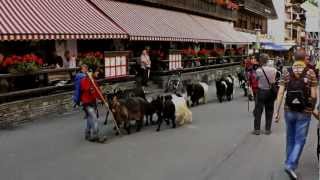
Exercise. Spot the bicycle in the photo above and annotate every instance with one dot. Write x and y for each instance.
(175, 83)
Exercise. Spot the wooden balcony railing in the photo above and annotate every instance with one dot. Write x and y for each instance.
(259, 8)
(203, 7)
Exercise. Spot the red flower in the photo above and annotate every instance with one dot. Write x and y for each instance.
(203, 52)
(28, 58)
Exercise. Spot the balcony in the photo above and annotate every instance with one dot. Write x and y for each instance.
(200, 7)
(265, 9)
(295, 24)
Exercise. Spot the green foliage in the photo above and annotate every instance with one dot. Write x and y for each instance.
(25, 67)
(91, 62)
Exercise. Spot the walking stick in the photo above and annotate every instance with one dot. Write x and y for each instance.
(103, 100)
(249, 91)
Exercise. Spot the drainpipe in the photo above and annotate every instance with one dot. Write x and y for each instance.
(291, 19)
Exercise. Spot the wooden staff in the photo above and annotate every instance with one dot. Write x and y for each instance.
(103, 100)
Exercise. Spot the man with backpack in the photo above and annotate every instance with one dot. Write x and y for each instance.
(86, 95)
(300, 83)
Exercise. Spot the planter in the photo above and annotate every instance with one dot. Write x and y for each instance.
(24, 68)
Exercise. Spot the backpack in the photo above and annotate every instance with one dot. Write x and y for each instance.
(297, 91)
(77, 88)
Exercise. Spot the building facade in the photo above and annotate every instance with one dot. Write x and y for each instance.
(254, 15)
(218, 9)
(295, 22)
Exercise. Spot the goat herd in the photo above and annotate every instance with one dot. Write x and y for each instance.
(172, 107)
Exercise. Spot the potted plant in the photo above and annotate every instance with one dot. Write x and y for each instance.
(92, 59)
(203, 55)
(189, 56)
(28, 63)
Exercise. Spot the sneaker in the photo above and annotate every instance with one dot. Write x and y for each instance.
(291, 173)
(267, 132)
(256, 132)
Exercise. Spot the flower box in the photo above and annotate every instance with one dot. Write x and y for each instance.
(28, 63)
(92, 59)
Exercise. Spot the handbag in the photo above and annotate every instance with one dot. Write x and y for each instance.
(273, 88)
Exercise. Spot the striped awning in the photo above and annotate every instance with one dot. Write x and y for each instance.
(153, 24)
(54, 19)
(250, 37)
(224, 30)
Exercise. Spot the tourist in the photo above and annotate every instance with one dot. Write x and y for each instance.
(73, 61)
(58, 62)
(86, 94)
(1, 63)
(4, 85)
(266, 76)
(300, 83)
(145, 65)
(279, 64)
(66, 59)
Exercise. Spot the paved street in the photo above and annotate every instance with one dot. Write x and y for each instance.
(217, 146)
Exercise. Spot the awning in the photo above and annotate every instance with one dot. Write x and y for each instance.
(154, 24)
(250, 37)
(223, 30)
(54, 19)
(273, 47)
(287, 45)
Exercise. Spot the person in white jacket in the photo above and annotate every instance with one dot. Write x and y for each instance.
(145, 65)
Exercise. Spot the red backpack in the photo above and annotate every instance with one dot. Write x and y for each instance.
(88, 93)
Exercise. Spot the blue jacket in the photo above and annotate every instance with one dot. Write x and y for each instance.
(77, 87)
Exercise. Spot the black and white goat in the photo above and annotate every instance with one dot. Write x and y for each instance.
(225, 88)
(197, 92)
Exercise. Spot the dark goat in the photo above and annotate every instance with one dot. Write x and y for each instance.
(126, 110)
(156, 106)
(169, 113)
(221, 86)
(195, 91)
(230, 87)
(243, 83)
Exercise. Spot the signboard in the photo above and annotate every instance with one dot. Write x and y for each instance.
(175, 61)
(116, 64)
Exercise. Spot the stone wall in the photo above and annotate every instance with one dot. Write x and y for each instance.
(14, 113)
(19, 112)
(207, 76)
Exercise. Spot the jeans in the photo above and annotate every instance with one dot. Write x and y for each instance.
(93, 125)
(297, 130)
(262, 102)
